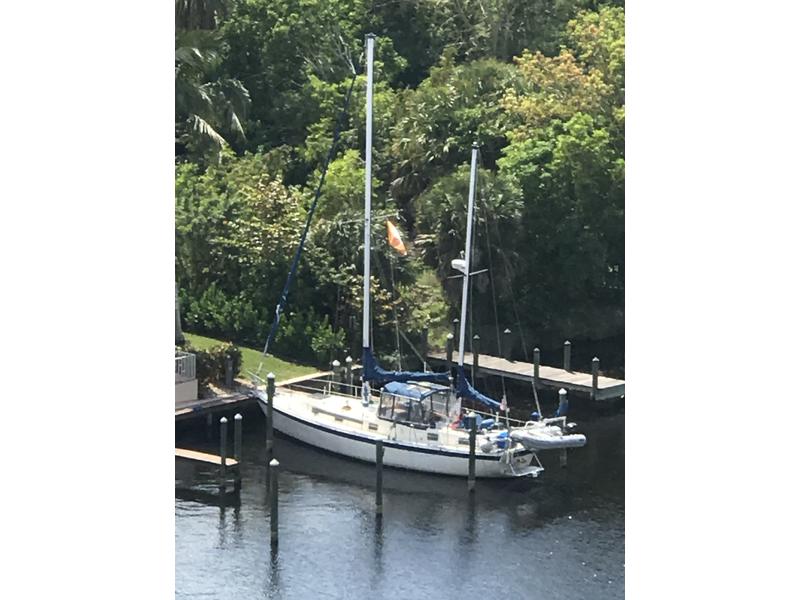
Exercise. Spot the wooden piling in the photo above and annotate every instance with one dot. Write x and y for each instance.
(455, 332)
(348, 373)
(536, 361)
(424, 342)
(223, 453)
(476, 342)
(273, 501)
(507, 344)
(228, 371)
(449, 351)
(567, 355)
(595, 375)
(563, 403)
(473, 432)
(335, 379)
(237, 450)
(379, 477)
(270, 397)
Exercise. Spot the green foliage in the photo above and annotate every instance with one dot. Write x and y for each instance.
(539, 85)
(209, 107)
(210, 362)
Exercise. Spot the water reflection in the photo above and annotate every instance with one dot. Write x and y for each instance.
(550, 534)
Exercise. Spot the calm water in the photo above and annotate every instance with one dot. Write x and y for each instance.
(561, 536)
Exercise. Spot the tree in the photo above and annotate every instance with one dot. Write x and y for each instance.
(209, 109)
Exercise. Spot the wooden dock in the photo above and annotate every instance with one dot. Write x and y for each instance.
(607, 388)
(203, 457)
(235, 400)
(203, 406)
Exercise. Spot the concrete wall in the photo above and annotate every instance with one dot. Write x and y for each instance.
(186, 391)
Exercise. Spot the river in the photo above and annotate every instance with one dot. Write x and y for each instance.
(558, 537)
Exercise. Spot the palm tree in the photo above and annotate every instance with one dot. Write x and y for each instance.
(209, 107)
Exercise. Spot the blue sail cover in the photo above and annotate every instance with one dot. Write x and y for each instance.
(465, 390)
(375, 374)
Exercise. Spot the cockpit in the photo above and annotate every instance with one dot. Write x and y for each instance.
(418, 405)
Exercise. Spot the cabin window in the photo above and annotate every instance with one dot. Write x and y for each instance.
(386, 407)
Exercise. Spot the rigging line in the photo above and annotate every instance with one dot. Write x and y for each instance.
(414, 350)
(382, 274)
(284, 294)
(394, 314)
(505, 261)
(485, 205)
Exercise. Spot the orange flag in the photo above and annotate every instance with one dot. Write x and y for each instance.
(395, 241)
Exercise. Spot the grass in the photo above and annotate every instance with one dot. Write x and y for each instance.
(283, 369)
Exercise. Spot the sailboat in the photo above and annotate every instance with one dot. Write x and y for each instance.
(417, 415)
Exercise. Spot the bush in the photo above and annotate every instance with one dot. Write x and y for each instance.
(210, 363)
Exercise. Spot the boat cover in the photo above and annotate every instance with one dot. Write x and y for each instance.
(375, 374)
(465, 390)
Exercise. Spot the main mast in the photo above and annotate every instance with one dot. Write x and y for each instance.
(467, 255)
(367, 210)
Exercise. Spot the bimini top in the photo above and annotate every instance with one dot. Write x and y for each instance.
(411, 391)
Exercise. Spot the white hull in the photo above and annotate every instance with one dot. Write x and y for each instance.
(294, 416)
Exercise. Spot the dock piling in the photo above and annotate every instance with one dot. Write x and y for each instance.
(270, 397)
(273, 501)
(379, 478)
(563, 404)
(567, 355)
(536, 361)
(476, 342)
(473, 431)
(449, 351)
(237, 450)
(335, 375)
(595, 375)
(507, 344)
(348, 373)
(223, 453)
(455, 332)
(228, 371)
(424, 344)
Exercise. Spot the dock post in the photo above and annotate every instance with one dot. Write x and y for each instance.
(237, 450)
(476, 341)
(228, 371)
(424, 344)
(563, 407)
(455, 332)
(449, 345)
(567, 355)
(507, 344)
(563, 403)
(595, 375)
(270, 397)
(223, 453)
(536, 359)
(273, 501)
(336, 373)
(473, 431)
(348, 373)
(379, 478)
